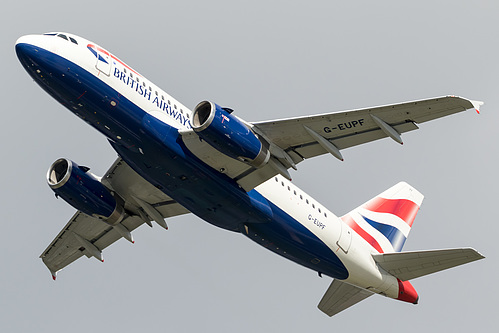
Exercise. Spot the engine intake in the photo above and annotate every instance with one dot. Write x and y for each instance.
(84, 191)
(228, 134)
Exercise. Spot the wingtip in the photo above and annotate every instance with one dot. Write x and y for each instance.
(53, 277)
(477, 105)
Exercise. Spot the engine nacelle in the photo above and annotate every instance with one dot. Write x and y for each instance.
(84, 191)
(229, 135)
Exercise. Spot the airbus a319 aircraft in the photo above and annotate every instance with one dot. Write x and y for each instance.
(230, 173)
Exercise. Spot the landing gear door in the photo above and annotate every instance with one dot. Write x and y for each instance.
(345, 239)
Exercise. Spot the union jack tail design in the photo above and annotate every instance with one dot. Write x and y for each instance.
(386, 220)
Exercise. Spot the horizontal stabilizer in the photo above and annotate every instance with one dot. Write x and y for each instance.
(340, 296)
(410, 265)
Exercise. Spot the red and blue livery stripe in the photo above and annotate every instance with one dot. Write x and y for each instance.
(96, 50)
(391, 218)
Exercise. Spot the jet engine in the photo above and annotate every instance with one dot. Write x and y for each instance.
(228, 134)
(84, 191)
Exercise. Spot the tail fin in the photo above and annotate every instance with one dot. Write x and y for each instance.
(386, 220)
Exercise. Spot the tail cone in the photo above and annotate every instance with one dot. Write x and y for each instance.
(407, 293)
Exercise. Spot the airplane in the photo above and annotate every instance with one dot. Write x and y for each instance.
(230, 173)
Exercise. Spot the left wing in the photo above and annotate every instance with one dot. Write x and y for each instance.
(306, 137)
(292, 140)
(86, 235)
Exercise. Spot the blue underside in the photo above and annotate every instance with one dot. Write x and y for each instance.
(166, 163)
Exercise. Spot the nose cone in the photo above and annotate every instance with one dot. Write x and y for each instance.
(33, 40)
(407, 293)
(36, 54)
(27, 48)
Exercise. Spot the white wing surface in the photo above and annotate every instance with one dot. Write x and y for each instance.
(340, 296)
(85, 235)
(350, 128)
(414, 264)
(294, 139)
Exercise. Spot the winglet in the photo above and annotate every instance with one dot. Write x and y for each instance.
(477, 105)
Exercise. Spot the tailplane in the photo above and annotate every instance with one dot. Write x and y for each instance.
(386, 220)
(410, 265)
(340, 296)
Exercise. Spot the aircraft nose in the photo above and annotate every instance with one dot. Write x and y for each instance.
(35, 55)
(27, 48)
(22, 48)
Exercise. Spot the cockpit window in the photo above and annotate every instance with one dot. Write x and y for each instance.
(62, 36)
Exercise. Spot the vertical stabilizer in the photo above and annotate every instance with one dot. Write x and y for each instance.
(386, 220)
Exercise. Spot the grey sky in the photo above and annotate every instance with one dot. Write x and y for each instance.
(266, 60)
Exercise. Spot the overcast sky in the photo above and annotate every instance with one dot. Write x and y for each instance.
(266, 60)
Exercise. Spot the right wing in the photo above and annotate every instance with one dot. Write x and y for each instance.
(86, 235)
(340, 296)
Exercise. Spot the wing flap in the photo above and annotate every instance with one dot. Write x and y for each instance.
(414, 264)
(340, 296)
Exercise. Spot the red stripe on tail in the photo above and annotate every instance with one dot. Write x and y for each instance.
(362, 233)
(403, 208)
